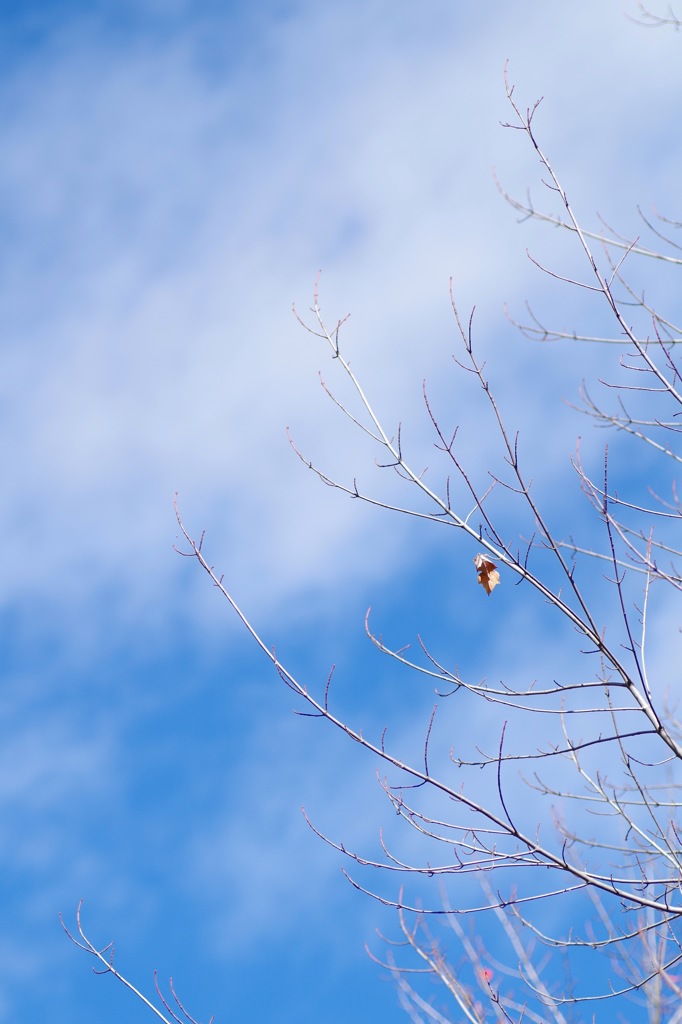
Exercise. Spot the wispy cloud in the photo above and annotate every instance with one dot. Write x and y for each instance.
(171, 182)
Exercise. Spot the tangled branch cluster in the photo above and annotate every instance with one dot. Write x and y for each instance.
(586, 859)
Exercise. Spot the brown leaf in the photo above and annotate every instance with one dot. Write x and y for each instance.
(488, 575)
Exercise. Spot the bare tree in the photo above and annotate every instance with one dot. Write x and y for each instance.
(583, 860)
(104, 958)
(649, 19)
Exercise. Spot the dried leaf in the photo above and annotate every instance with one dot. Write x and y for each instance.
(488, 575)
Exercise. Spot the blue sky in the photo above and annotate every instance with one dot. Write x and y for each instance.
(174, 175)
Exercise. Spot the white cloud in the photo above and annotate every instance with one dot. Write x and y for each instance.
(162, 211)
(167, 220)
